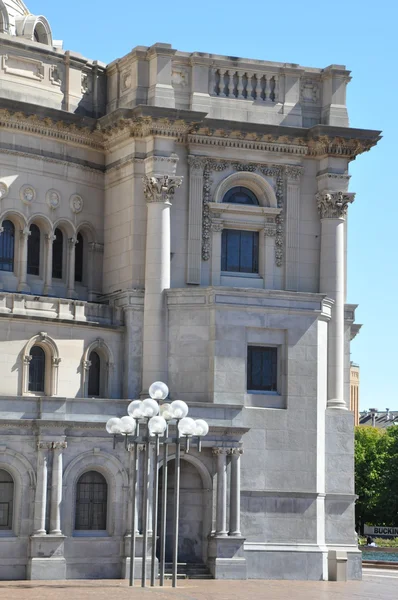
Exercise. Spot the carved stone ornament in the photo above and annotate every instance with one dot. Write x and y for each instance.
(27, 194)
(279, 173)
(53, 199)
(333, 205)
(160, 188)
(218, 451)
(235, 451)
(86, 365)
(76, 203)
(3, 190)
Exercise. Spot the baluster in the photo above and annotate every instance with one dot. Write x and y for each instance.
(213, 82)
(255, 82)
(222, 83)
(229, 84)
(276, 88)
(268, 88)
(240, 84)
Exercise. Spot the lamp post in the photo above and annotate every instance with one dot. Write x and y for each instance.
(147, 423)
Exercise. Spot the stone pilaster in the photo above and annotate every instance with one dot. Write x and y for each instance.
(159, 191)
(332, 208)
(293, 175)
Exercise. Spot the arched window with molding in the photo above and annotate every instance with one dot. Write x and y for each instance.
(97, 370)
(34, 251)
(37, 370)
(240, 195)
(6, 500)
(58, 254)
(40, 362)
(7, 246)
(91, 502)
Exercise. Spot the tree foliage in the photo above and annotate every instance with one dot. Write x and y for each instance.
(376, 476)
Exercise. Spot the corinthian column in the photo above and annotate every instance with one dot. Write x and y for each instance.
(159, 191)
(56, 489)
(39, 517)
(332, 208)
(221, 514)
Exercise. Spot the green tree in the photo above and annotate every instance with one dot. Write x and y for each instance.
(371, 461)
(388, 501)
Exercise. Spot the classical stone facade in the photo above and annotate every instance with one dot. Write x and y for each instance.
(182, 217)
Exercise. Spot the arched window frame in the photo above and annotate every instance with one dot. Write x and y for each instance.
(234, 190)
(27, 25)
(51, 367)
(107, 367)
(10, 522)
(24, 478)
(245, 217)
(90, 530)
(118, 519)
(4, 20)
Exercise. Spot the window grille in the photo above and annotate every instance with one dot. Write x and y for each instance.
(91, 502)
(262, 369)
(7, 246)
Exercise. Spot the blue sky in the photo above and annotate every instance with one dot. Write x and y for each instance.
(357, 33)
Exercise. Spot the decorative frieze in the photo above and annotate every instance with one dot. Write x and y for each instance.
(160, 188)
(333, 205)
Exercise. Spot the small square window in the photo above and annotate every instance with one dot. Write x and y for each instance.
(239, 251)
(262, 369)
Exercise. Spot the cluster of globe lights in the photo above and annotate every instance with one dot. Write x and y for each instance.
(157, 416)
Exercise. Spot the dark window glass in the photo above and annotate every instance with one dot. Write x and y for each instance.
(262, 369)
(34, 250)
(239, 251)
(36, 36)
(58, 250)
(91, 502)
(37, 367)
(6, 499)
(240, 195)
(79, 258)
(7, 239)
(94, 374)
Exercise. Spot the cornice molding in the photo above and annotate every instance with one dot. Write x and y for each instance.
(51, 128)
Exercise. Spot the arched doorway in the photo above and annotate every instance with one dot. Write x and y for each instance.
(193, 524)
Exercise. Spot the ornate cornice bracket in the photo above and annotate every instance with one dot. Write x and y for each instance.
(333, 205)
(160, 188)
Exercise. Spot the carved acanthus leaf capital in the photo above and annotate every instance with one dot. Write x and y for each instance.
(59, 445)
(235, 451)
(293, 172)
(333, 205)
(161, 188)
(197, 163)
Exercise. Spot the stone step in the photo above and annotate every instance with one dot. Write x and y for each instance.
(190, 570)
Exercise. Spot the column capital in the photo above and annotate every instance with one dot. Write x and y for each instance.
(25, 233)
(44, 445)
(235, 451)
(333, 205)
(160, 188)
(219, 451)
(197, 163)
(50, 237)
(59, 445)
(72, 241)
(294, 172)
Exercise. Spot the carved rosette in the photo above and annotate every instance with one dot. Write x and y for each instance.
(161, 188)
(333, 205)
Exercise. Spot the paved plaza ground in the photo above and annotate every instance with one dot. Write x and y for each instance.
(375, 585)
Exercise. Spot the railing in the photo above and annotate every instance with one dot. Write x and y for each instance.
(246, 85)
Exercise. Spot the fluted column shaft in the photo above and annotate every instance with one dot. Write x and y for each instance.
(234, 515)
(333, 208)
(159, 191)
(221, 513)
(56, 489)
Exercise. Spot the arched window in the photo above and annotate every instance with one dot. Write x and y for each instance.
(7, 246)
(37, 368)
(6, 499)
(240, 195)
(91, 502)
(58, 251)
(34, 250)
(79, 258)
(94, 374)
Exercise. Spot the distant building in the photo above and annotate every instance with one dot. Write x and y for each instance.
(354, 391)
(378, 418)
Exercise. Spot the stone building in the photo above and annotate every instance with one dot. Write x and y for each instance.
(180, 217)
(354, 391)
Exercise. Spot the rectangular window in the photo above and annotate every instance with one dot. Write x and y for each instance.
(262, 369)
(239, 251)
